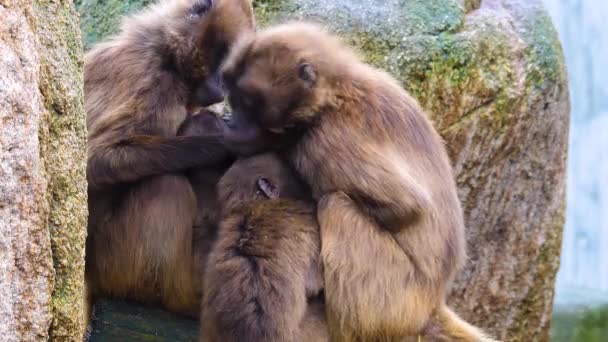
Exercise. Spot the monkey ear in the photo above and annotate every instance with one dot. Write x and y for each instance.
(307, 73)
(200, 7)
(268, 189)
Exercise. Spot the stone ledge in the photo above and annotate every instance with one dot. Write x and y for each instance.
(116, 321)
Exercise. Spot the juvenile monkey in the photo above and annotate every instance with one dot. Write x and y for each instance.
(263, 278)
(138, 87)
(392, 231)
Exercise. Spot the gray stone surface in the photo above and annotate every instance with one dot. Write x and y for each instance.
(26, 272)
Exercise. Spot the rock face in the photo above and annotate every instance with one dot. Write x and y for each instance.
(43, 206)
(491, 75)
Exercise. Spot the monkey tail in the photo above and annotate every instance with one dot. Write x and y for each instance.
(448, 324)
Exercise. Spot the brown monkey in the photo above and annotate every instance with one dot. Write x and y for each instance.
(392, 230)
(263, 279)
(138, 88)
(203, 181)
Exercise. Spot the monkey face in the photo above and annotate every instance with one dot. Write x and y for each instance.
(257, 96)
(261, 177)
(206, 30)
(271, 83)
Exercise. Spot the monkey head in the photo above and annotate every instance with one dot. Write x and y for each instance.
(196, 38)
(257, 178)
(279, 79)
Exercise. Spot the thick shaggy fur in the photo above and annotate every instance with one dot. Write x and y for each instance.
(392, 229)
(263, 278)
(138, 88)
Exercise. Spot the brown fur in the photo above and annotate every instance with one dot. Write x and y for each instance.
(263, 276)
(204, 180)
(138, 86)
(392, 229)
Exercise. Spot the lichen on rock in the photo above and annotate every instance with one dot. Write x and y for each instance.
(99, 19)
(62, 135)
(43, 206)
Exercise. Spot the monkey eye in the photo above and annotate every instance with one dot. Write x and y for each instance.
(267, 188)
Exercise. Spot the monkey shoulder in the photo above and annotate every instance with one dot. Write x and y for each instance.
(262, 225)
(275, 214)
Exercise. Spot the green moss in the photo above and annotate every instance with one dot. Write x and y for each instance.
(593, 326)
(533, 307)
(265, 10)
(545, 52)
(391, 22)
(374, 51)
(100, 19)
(63, 149)
(440, 70)
(580, 325)
(432, 16)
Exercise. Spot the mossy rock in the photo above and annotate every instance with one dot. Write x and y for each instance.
(491, 75)
(43, 188)
(100, 18)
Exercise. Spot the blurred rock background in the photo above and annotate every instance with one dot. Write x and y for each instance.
(581, 311)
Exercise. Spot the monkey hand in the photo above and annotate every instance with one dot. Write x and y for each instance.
(245, 140)
(203, 123)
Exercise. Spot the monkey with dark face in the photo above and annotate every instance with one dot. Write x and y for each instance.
(139, 86)
(263, 277)
(392, 231)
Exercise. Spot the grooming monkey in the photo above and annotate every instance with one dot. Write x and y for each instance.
(139, 85)
(263, 278)
(204, 183)
(392, 231)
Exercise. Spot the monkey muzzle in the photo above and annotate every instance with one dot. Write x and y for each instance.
(210, 92)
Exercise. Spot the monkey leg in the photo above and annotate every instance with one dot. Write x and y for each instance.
(372, 288)
(142, 250)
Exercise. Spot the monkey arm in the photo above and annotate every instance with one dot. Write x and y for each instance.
(393, 211)
(369, 280)
(383, 188)
(140, 156)
(376, 177)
